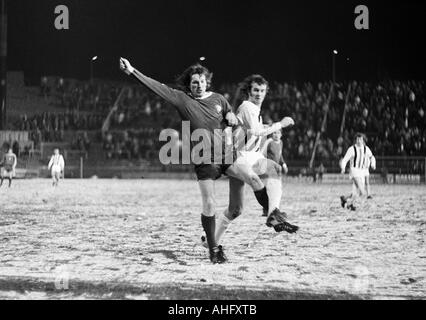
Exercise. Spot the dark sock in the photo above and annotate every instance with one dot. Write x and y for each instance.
(262, 198)
(10, 182)
(209, 226)
(1, 183)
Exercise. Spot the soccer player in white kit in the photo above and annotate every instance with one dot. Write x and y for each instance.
(56, 166)
(249, 138)
(359, 156)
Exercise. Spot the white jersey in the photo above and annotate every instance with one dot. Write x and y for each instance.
(360, 159)
(56, 163)
(251, 122)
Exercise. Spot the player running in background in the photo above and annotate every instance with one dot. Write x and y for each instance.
(249, 156)
(8, 165)
(357, 156)
(273, 149)
(56, 166)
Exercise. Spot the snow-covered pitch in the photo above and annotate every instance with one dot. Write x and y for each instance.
(139, 239)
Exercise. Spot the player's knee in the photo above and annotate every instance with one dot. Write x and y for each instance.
(234, 213)
(275, 170)
(209, 206)
(255, 181)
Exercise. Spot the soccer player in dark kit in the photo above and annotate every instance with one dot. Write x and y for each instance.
(8, 165)
(211, 112)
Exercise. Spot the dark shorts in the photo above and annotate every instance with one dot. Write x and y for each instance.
(210, 171)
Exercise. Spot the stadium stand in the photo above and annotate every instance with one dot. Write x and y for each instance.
(74, 113)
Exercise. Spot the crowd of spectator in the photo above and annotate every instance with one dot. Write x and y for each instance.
(139, 106)
(74, 95)
(390, 113)
(131, 145)
(51, 127)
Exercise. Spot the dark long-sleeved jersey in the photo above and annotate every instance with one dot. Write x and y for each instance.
(208, 113)
(9, 161)
(275, 152)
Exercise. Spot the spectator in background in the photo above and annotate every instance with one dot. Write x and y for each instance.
(320, 170)
(108, 146)
(86, 141)
(44, 88)
(16, 148)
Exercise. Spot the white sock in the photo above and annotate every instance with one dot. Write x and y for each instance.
(222, 223)
(274, 189)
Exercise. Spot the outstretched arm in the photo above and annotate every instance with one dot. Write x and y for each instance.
(175, 97)
(15, 161)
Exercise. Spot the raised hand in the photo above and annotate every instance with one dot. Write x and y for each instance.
(287, 122)
(232, 119)
(125, 66)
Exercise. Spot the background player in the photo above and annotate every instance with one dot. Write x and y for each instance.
(8, 165)
(56, 166)
(273, 149)
(357, 155)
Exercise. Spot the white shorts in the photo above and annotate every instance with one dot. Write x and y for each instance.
(366, 173)
(249, 158)
(7, 173)
(357, 173)
(56, 170)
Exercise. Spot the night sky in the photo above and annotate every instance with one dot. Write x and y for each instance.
(283, 40)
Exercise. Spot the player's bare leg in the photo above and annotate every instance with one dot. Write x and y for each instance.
(367, 187)
(357, 191)
(270, 172)
(10, 177)
(208, 220)
(347, 201)
(235, 208)
(57, 177)
(246, 174)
